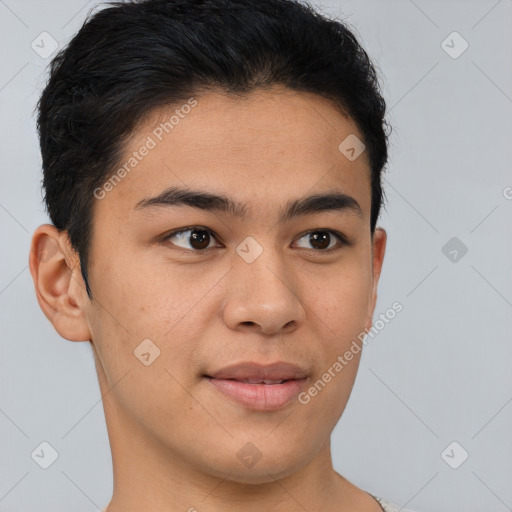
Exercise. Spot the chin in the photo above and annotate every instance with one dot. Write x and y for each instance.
(262, 470)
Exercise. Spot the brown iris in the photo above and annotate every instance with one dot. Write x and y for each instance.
(199, 238)
(320, 238)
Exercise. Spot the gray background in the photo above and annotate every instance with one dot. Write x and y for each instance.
(439, 372)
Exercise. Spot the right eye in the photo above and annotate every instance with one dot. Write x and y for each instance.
(195, 238)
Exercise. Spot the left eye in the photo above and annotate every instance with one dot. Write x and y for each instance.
(321, 239)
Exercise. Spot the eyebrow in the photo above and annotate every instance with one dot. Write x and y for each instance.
(308, 205)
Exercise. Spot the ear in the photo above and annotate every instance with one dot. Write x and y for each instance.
(60, 288)
(379, 240)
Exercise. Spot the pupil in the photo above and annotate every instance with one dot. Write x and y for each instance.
(321, 238)
(201, 240)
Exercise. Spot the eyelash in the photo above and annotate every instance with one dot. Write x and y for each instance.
(342, 239)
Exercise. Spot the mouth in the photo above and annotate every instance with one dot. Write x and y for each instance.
(259, 387)
(261, 381)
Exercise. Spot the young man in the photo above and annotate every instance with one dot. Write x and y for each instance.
(212, 173)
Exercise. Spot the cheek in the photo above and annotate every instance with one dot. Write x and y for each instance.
(342, 305)
(141, 300)
(140, 333)
(341, 300)
(135, 294)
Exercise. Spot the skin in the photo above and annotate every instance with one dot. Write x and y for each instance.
(174, 438)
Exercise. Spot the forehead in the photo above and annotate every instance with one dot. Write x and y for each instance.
(262, 118)
(261, 147)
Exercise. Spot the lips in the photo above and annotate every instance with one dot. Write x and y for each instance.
(262, 381)
(260, 387)
(260, 372)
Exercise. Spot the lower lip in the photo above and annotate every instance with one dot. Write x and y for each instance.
(262, 397)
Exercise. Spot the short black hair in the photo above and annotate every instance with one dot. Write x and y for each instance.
(133, 57)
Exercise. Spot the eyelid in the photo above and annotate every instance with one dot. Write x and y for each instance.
(342, 238)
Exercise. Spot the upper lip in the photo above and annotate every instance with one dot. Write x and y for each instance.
(251, 370)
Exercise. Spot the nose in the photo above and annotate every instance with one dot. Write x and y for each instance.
(262, 296)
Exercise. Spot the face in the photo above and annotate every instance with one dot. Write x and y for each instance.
(196, 299)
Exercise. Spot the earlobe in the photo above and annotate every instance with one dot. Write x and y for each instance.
(58, 282)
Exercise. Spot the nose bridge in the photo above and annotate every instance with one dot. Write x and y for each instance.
(263, 263)
(261, 292)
